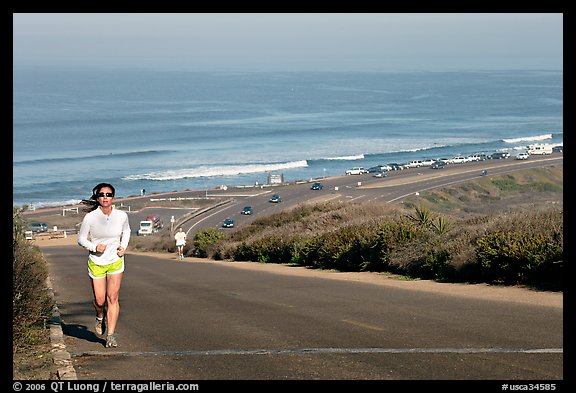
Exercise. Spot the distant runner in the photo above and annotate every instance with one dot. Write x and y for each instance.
(180, 237)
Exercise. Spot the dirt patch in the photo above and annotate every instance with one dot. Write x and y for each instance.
(35, 363)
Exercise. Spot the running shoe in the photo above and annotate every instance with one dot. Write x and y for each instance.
(98, 326)
(111, 341)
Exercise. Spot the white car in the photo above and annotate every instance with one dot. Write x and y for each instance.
(458, 160)
(522, 156)
(357, 170)
(428, 161)
(414, 164)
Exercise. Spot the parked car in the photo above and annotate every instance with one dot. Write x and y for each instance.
(395, 166)
(499, 155)
(275, 198)
(38, 227)
(438, 165)
(357, 170)
(317, 186)
(228, 223)
(414, 164)
(558, 149)
(522, 156)
(458, 160)
(247, 210)
(428, 161)
(378, 168)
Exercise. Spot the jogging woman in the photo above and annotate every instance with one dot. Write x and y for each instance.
(105, 233)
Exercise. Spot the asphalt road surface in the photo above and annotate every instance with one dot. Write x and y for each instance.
(205, 320)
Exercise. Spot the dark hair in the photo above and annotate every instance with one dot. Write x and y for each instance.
(93, 203)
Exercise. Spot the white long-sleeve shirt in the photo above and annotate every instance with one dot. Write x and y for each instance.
(98, 228)
(180, 238)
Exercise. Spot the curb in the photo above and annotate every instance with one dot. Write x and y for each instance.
(60, 355)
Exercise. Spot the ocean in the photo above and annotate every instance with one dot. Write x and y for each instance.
(174, 130)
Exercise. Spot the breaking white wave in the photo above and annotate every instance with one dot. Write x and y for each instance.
(68, 202)
(528, 138)
(213, 171)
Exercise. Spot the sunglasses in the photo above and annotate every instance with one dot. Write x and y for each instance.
(103, 194)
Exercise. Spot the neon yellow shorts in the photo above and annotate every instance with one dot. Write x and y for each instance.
(100, 271)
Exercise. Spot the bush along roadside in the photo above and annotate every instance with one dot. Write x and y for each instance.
(421, 245)
(31, 300)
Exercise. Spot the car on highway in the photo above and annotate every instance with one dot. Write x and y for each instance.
(357, 170)
(38, 227)
(438, 165)
(228, 223)
(275, 198)
(380, 174)
(317, 186)
(522, 156)
(247, 210)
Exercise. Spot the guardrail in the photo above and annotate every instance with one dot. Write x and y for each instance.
(190, 216)
(53, 234)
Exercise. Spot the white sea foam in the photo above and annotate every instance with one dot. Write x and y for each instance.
(65, 203)
(528, 138)
(213, 171)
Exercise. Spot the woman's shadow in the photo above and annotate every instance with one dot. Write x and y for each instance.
(81, 332)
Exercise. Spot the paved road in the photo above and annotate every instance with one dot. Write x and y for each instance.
(203, 320)
(198, 320)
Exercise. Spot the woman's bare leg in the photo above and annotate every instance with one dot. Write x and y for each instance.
(114, 281)
(99, 292)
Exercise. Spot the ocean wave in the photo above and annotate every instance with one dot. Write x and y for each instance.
(423, 148)
(528, 138)
(143, 153)
(216, 171)
(68, 202)
(344, 158)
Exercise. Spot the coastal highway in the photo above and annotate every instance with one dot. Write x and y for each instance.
(352, 188)
(201, 320)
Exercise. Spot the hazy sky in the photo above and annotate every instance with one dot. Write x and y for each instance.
(291, 42)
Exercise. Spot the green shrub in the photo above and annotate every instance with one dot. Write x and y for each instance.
(506, 184)
(517, 257)
(31, 300)
(204, 241)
